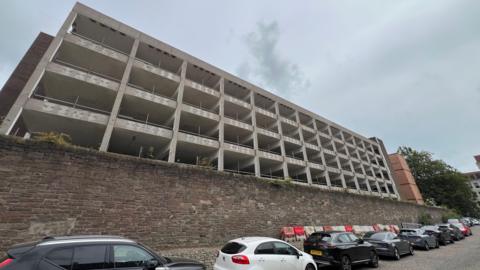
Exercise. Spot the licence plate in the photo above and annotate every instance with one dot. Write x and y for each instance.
(316, 252)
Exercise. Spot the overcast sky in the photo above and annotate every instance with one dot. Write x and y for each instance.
(405, 71)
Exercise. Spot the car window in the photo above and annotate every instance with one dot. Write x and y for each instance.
(408, 232)
(284, 249)
(265, 248)
(233, 248)
(378, 236)
(317, 237)
(130, 256)
(89, 257)
(392, 236)
(353, 237)
(61, 257)
(343, 238)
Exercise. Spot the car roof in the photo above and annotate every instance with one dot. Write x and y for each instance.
(253, 239)
(53, 240)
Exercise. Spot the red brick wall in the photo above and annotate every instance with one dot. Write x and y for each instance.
(49, 190)
(22, 72)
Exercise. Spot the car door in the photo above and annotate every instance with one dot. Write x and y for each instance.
(361, 247)
(288, 256)
(348, 247)
(130, 257)
(265, 257)
(402, 246)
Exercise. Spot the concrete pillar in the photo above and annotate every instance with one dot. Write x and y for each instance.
(304, 149)
(37, 74)
(282, 143)
(118, 100)
(322, 155)
(256, 159)
(178, 112)
(221, 127)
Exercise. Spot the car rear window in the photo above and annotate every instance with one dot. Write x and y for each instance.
(379, 236)
(320, 238)
(233, 248)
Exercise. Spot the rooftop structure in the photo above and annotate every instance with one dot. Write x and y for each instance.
(113, 88)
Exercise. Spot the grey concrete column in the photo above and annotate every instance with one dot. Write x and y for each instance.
(322, 155)
(34, 79)
(282, 143)
(256, 159)
(221, 129)
(304, 149)
(178, 112)
(118, 100)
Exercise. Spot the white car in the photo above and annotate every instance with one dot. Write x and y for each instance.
(262, 253)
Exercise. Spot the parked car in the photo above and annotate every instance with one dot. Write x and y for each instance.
(463, 228)
(389, 244)
(419, 238)
(455, 233)
(453, 220)
(340, 249)
(443, 236)
(475, 222)
(90, 252)
(466, 221)
(262, 253)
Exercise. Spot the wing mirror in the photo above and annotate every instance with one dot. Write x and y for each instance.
(151, 264)
(299, 254)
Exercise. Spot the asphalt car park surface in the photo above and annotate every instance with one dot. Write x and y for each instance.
(463, 255)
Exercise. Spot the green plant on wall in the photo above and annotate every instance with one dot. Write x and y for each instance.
(204, 162)
(150, 152)
(52, 137)
(449, 214)
(425, 219)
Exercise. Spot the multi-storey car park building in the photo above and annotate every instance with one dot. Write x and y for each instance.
(113, 88)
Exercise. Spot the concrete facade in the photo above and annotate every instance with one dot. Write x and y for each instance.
(404, 180)
(113, 88)
(474, 178)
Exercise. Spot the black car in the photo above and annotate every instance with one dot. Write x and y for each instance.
(389, 244)
(455, 232)
(90, 253)
(443, 236)
(340, 249)
(419, 238)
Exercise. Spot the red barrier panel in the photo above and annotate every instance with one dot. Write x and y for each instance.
(327, 228)
(299, 233)
(376, 227)
(287, 233)
(348, 228)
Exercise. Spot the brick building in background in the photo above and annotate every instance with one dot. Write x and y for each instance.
(406, 184)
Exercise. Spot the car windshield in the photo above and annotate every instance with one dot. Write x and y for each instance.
(379, 236)
(458, 225)
(327, 238)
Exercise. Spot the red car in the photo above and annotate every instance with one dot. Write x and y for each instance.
(463, 228)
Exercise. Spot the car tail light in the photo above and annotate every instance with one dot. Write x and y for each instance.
(240, 259)
(6, 262)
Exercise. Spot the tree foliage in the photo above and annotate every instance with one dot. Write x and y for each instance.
(440, 183)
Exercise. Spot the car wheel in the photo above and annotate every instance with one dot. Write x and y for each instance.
(426, 246)
(310, 267)
(412, 251)
(396, 255)
(373, 259)
(345, 264)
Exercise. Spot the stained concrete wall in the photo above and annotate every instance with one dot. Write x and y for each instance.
(46, 189)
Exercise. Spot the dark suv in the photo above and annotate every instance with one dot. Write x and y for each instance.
(90, 253)
(341, 249)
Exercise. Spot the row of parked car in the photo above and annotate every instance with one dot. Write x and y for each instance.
(338, 248)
